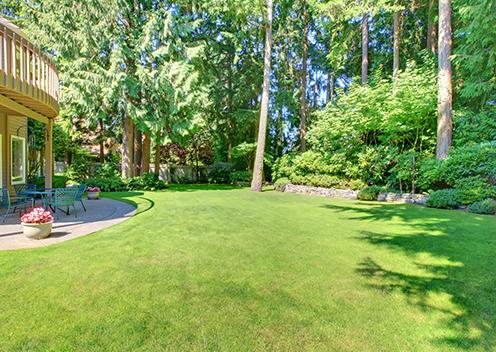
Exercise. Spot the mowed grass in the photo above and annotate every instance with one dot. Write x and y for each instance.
(223, 269)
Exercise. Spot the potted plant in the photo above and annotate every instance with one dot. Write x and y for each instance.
(37, 223)
(93, 192)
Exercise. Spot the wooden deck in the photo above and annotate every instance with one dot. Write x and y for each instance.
(27, 76)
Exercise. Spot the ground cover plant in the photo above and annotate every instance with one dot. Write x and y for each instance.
(221, 268)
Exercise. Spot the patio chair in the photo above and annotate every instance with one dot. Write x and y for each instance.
(62, 197)
(22, 190)
(11, 204)
(79, 194)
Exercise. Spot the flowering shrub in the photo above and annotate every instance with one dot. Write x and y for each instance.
(93, 189)
(37, 216)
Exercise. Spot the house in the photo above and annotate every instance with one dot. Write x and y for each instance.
(28, 90)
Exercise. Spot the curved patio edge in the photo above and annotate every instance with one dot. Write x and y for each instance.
(100, 214)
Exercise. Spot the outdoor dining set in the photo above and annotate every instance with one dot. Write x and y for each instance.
(56, 199)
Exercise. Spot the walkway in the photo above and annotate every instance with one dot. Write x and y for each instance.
(100, 214)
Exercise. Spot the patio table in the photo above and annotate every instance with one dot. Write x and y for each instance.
(34, 194)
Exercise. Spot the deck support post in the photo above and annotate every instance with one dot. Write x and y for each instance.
(48, 154)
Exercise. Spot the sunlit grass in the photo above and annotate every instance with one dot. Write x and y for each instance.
(217, 268)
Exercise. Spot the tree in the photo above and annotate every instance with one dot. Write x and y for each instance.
(304, 73)
(431, 27)
(396, 43)
(256, 183)
(445, 120)
(365, 48)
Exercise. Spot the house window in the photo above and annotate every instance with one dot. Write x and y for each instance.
(18, 160)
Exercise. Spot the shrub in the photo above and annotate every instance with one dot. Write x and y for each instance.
(370, 193)
(58, 181)
(445, 199)
(220, 173)
(468, 161)
(486, 206)
(474, 189)
(356, 185)
(240, 176)
(78, 170)
(108, 184)
(281, 183)
(148, 182)
(107, 170)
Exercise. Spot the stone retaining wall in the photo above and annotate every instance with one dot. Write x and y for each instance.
(349, 194)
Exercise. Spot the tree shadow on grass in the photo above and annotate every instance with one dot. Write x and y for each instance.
(456, 280)
(129, 197)
(201, 187)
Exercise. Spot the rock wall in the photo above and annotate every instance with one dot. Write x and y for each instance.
(319, 191)
(349, 194)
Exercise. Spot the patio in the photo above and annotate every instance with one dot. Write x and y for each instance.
(100, 214)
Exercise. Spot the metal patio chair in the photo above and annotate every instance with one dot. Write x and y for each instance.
(23, 190)
(59, 198)
(79, 195)
(11, 204)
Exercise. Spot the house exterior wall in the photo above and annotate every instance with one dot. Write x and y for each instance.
(11, 126)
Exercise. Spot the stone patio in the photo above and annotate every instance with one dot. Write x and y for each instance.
(100, 214)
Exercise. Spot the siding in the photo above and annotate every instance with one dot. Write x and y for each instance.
(9, 126)
(3, 156)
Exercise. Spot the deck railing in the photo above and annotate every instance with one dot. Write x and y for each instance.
(26, 71)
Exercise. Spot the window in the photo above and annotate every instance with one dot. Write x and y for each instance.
(18, 160)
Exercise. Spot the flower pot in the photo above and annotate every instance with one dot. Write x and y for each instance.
(37, 231)
(93, 195)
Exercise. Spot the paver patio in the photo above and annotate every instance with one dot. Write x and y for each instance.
(100, 214)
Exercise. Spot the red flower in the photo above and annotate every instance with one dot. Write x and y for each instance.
(37, 216)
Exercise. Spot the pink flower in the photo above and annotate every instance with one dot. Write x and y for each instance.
(93, 189)
(37, 216)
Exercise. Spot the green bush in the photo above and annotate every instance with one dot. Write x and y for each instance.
(486, 206)
(464, 162)
(370, 193)
(240, 176)
(220, 173)
(107, 184)
(148, 182)
(107, 170)
(58, 181)
(474, 189)
(281, 183)
(356, 185)
(78, 170)
(445, 199)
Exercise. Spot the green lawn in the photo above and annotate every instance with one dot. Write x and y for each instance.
(222, 269)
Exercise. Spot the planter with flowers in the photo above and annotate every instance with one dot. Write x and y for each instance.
(93, 193)
(37, 223)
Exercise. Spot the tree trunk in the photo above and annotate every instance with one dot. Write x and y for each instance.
(431, 27)
(330, 87)
(145, 161)
(138, 152)
(396, 44)
(316, 89)
(101, 142)
(304, 69)
(444, 121)
(230, 124)
(365, 48)
(279, 134)
(157, 159)
(256, 183)
(127, 161)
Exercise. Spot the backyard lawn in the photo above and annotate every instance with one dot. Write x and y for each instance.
(224, 269)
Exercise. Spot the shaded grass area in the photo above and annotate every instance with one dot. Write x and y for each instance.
(223, 269)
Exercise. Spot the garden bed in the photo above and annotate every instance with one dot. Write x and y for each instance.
(350, 194)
